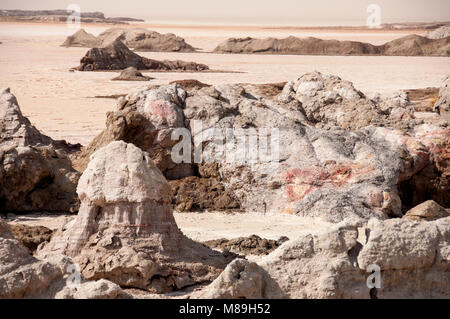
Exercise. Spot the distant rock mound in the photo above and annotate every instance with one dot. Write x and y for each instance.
(117, 56)
(35, 172)
(412, 45)
(125, 231)
(138, 39)
(131, 74)
(439, 33)
(82, 39)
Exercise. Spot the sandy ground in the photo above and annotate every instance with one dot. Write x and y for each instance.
(212, 225)
(61, 104)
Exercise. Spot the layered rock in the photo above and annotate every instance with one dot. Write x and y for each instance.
(117, 56)
(135, 38)
(131, 74)
(125, 231)
(411, 45)
(35, 172)
(413, 260)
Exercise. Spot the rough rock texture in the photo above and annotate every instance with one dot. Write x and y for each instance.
(413, 258)
(35, 172)
(333, 162)
(427, 211)
(240, 280)
(146, 119)
(22, 275)
(442, 104)
(411, 45)
(440, 33)
(136, 38)
(197, 194)
(117, 56)
(131, 74)
(125, 231)
(82, 39)
(146, 40)
(31, 236)
(252, 245)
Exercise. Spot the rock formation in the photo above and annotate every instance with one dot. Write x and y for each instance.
(440, 33)
(442, 105)
(35, 172)
(131, 74)
(31, 236)
(137, 38)
(411, 45)
(125, 231)
(413, 258)
(427, 211)
(146, 118)
(117, 56)
(24, 276)
(252, 245)
(82, 39)
(336, 161)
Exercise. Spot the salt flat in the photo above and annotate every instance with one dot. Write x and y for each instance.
(62, 104)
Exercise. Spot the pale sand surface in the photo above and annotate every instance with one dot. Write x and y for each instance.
(213, 225)
(61, 104)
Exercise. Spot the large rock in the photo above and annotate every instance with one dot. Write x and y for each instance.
(35, 172)
(333, 161)
(146, 119)
(117, 56)
(411, 45)
(427, 211)
(413, 259)
(135, 38)
(125, 231)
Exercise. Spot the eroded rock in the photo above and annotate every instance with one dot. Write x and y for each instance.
(35, 171)
(125, 231)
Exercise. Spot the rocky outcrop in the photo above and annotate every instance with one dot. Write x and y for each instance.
(427, 211)
(145, 40)
(335, 160)
(146, 118)
(25, 276)
(138, 39)
(131, 74)
(125, 231)
(81, 39)
(440, 33)
(117, 56)
(413, 260)
(411, 45)
(35, 172)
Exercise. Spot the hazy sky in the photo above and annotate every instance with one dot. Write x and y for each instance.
(283, 12)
